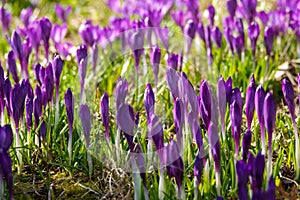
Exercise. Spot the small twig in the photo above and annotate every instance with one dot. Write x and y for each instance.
(87, 188)
(288, 179)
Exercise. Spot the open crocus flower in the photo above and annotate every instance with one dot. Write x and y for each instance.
(62, 13)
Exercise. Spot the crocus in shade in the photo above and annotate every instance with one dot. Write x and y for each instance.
(242, 176)
(258, 167)
(221, 94)
(259, 106)
(149, 101)
(6, 90)
(269, 39)
(231, 7)
(246, 142)
(37, 105)
(249, 7)
(253, 33)
(6, 138)
(236, 96)
(62, 13)
(155, 56)
(69, 102)
(216, 35)
(5, 18)
(269, 117)
(12, 66)
(81, 54)
(236, 123)
(173, 61)
(104, 107)
(85, 117)
(46, 27)
(250, 105)
(29, 108)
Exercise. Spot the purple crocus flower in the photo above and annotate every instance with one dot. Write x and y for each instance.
(58, 32)
(137, 45)
(198, 170)
(35, 35)
(12, 66)
(172, 78)
(81, 54)
(178, 17)
(228, 86)
(149, 101)
(95, 56)
(29, 108)
(37, 105)
(155, 57)
(25, 16)
(269, 117)
(6, 136)
(231, 7)
(205, 103)
(214, 142)
(229, 39)
(57, 64)
(121, 92)
(208, 45)
(6, 90)
(221, 94)
(246, 142)
(288, 94)
(216, 35)
(27, 48)
(69, 102)
(46, 27)
(236, 96)
(259, 106)
(242, 176)
(16, 45)
(258, 171)
(88, 33)
(173, 61)
(249, 7)
(62, 13)
(163, 35)
(250, 105)
(178, 115)
(236, 123)
(253, 33)
(238, 44)
(211, 15)
(269, 39)
(156, 133)
(200, 31)
(190, 31)
(85, 117)
(5, 18)
(104, 107)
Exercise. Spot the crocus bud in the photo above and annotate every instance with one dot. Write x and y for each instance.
(46, 26)
(288, 93)
(37, 105)
(228, 86)
(5, 18)
(259, 104)
(198, 167)
(246, 142)
(156, 133)
(35, 35)
(231, 7)
(26, 48)
(236, 96)
(104, 107)
(269, 116)
(258, 171)
(229, 38)
(173, 61)
(172, 78)
(163, 34)
(178, 113)
(238, 44)
(6, 91)
(16, 45)
(211, 14)
(62, 13)
(250, 105)
(178, 17)
(253, 33)
(269, 39)
(29, 110)
(149, 100)
(121, 92)
(85, 117)
(190, 29)
(236, 123)
(95, 55)
(81, 53)
(25, 16)
(216, 35)
(214, 142)
(200, 31)
(242, 175)
(221, 94)
(47, 90)
(12, 66)
(69, 102)
(6, 137)
(57, 65)
(205, 103)
(249, 7)
(137, 46)
(155, 56)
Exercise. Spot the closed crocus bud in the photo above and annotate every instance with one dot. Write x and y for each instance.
(173, 61)
(249, 7)
(37, 105)
(155, 57)
(238, 44)
(149, 101)
(6, 91)
(85, 117)
(36, 69)
(178, 113)
(250, 105)
(6, 137)
(35, 35)
(269, 114)
(57, 65)
(214, 142)
(178, 17)
(243, 176)
(211, 14)
(236, 96)
(253, 33)
(104, 107)
(12, 66)
(269, 39)
(95, 55)
(231, 7)
(198, 167)
(205, 96)
(228, 86)
(121, 92)
(156, 133)
(16, 45)
(246, 142)
(221, 94)
(240, 28)
(259, 104)
(172, 78)
(69, 102)
(5, 18)
(27, 48)
(25, 16)
(29, 110)
(43, 130)
(216, 35)
(46, 26)
(47, 89)
(81, 53)
(288, 93)
(229, 38)
(137, 46)
(200, 31)
(190, 28)
(236, 123)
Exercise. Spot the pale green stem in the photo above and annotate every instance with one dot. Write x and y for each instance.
(70, 146)
(297, 153)
(161, 184)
